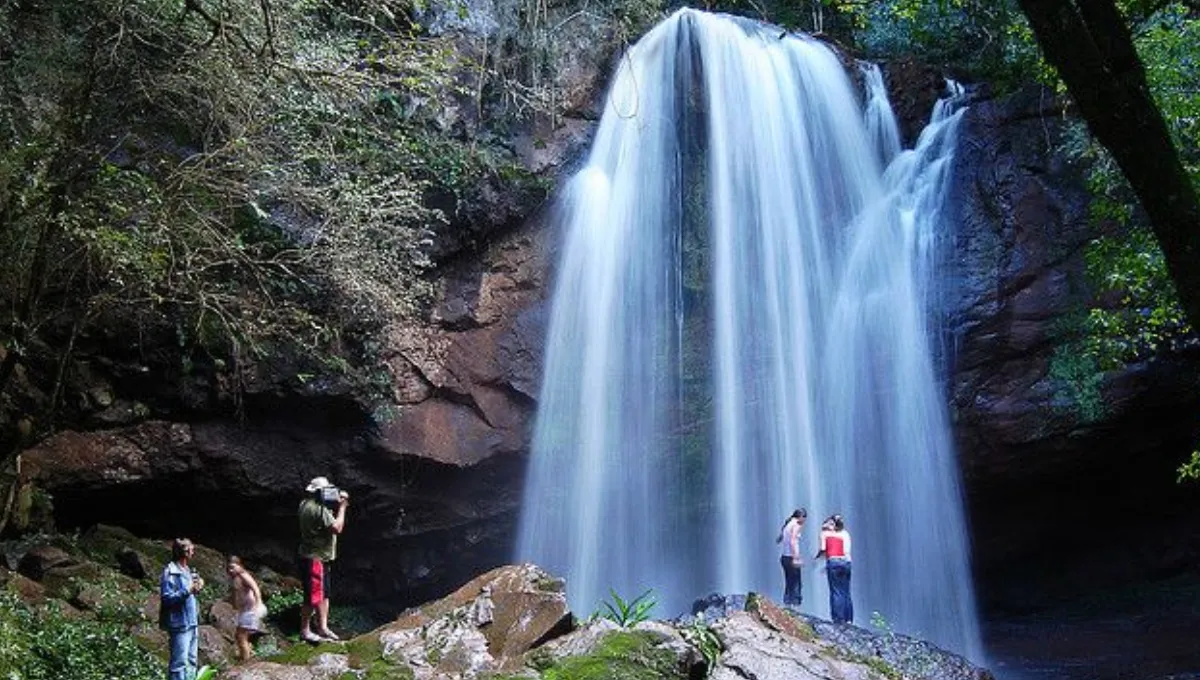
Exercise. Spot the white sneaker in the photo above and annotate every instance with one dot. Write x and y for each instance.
(309, 636)
(329, 635)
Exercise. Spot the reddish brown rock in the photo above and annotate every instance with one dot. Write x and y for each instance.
(27, 590)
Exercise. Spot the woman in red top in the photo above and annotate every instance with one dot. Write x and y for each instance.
(835, 548)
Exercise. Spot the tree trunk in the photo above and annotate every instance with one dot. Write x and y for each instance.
(1088, 41)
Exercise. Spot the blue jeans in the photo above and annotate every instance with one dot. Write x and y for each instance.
(184, 647)
(841, 607)
(793, 587)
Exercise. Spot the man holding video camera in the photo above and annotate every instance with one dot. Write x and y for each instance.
(322, 517)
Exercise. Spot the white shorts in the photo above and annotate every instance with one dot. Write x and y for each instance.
(251, 620)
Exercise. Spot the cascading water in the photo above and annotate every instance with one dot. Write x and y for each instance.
(739, 327)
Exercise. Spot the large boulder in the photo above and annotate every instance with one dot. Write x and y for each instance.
(39, 560)
(488, 623)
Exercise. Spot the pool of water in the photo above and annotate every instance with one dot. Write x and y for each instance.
(1145, 632)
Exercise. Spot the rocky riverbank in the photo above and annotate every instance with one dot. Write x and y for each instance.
(512, 622)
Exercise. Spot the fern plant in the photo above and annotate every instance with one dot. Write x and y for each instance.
(628, 613)
(701, 636)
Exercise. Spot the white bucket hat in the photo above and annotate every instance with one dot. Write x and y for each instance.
(317, 483)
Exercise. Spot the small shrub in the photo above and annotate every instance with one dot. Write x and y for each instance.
(51, 646)
(283, 601)
(628, 613)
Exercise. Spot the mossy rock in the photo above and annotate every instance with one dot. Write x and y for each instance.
(102, 543)
(364, 656)
(873, 662)
(779, 619)
(301, 654)
(620, 655)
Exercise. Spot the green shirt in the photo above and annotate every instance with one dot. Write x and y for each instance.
(316, 539)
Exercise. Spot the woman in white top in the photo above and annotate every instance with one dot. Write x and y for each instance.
(248, 602)
(835, 548)
(790, 558)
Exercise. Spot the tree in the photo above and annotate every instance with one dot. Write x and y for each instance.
(225, 180)
(1089, 43)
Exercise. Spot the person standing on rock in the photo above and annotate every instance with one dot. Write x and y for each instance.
(319, 529)
(248, 602)
(835, 548)
(790, 558)
(180, 613)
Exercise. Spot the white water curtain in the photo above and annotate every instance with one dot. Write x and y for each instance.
(740, 326)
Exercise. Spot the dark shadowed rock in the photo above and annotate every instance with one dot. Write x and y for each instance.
(715, 606)
(134, 564)
(41, 559)
(912, 87)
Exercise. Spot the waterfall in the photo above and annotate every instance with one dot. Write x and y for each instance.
(741, 325)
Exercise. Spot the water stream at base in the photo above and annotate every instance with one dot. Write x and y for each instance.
(740, 325)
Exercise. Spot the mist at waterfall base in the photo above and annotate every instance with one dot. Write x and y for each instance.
(740, 325)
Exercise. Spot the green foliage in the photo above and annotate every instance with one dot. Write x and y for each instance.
(250, 177)
(628, 613)
(113, 598)
(283, 602)
(1137, 313)
(51, 645)
(1078, 373)
(1190, 470)
(700, 635)
(1145, 316)
(987, 40)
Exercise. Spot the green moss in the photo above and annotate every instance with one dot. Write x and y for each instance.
(364, 650)
(548, 584)
(621, 655)
(382, 670)
(301, 654)
(365, 655)
(873, 662)
(752, 601)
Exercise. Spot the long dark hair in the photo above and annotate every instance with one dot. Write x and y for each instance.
(798, 513)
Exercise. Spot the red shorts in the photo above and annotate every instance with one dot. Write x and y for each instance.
(314, 574)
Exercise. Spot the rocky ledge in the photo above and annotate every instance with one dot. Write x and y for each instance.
(514, 622)
(511, 622)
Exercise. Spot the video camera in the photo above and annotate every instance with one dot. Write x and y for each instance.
(330, 496)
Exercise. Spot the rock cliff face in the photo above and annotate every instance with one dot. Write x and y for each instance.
(1050, 481)
(435, 485)
(436, 481)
